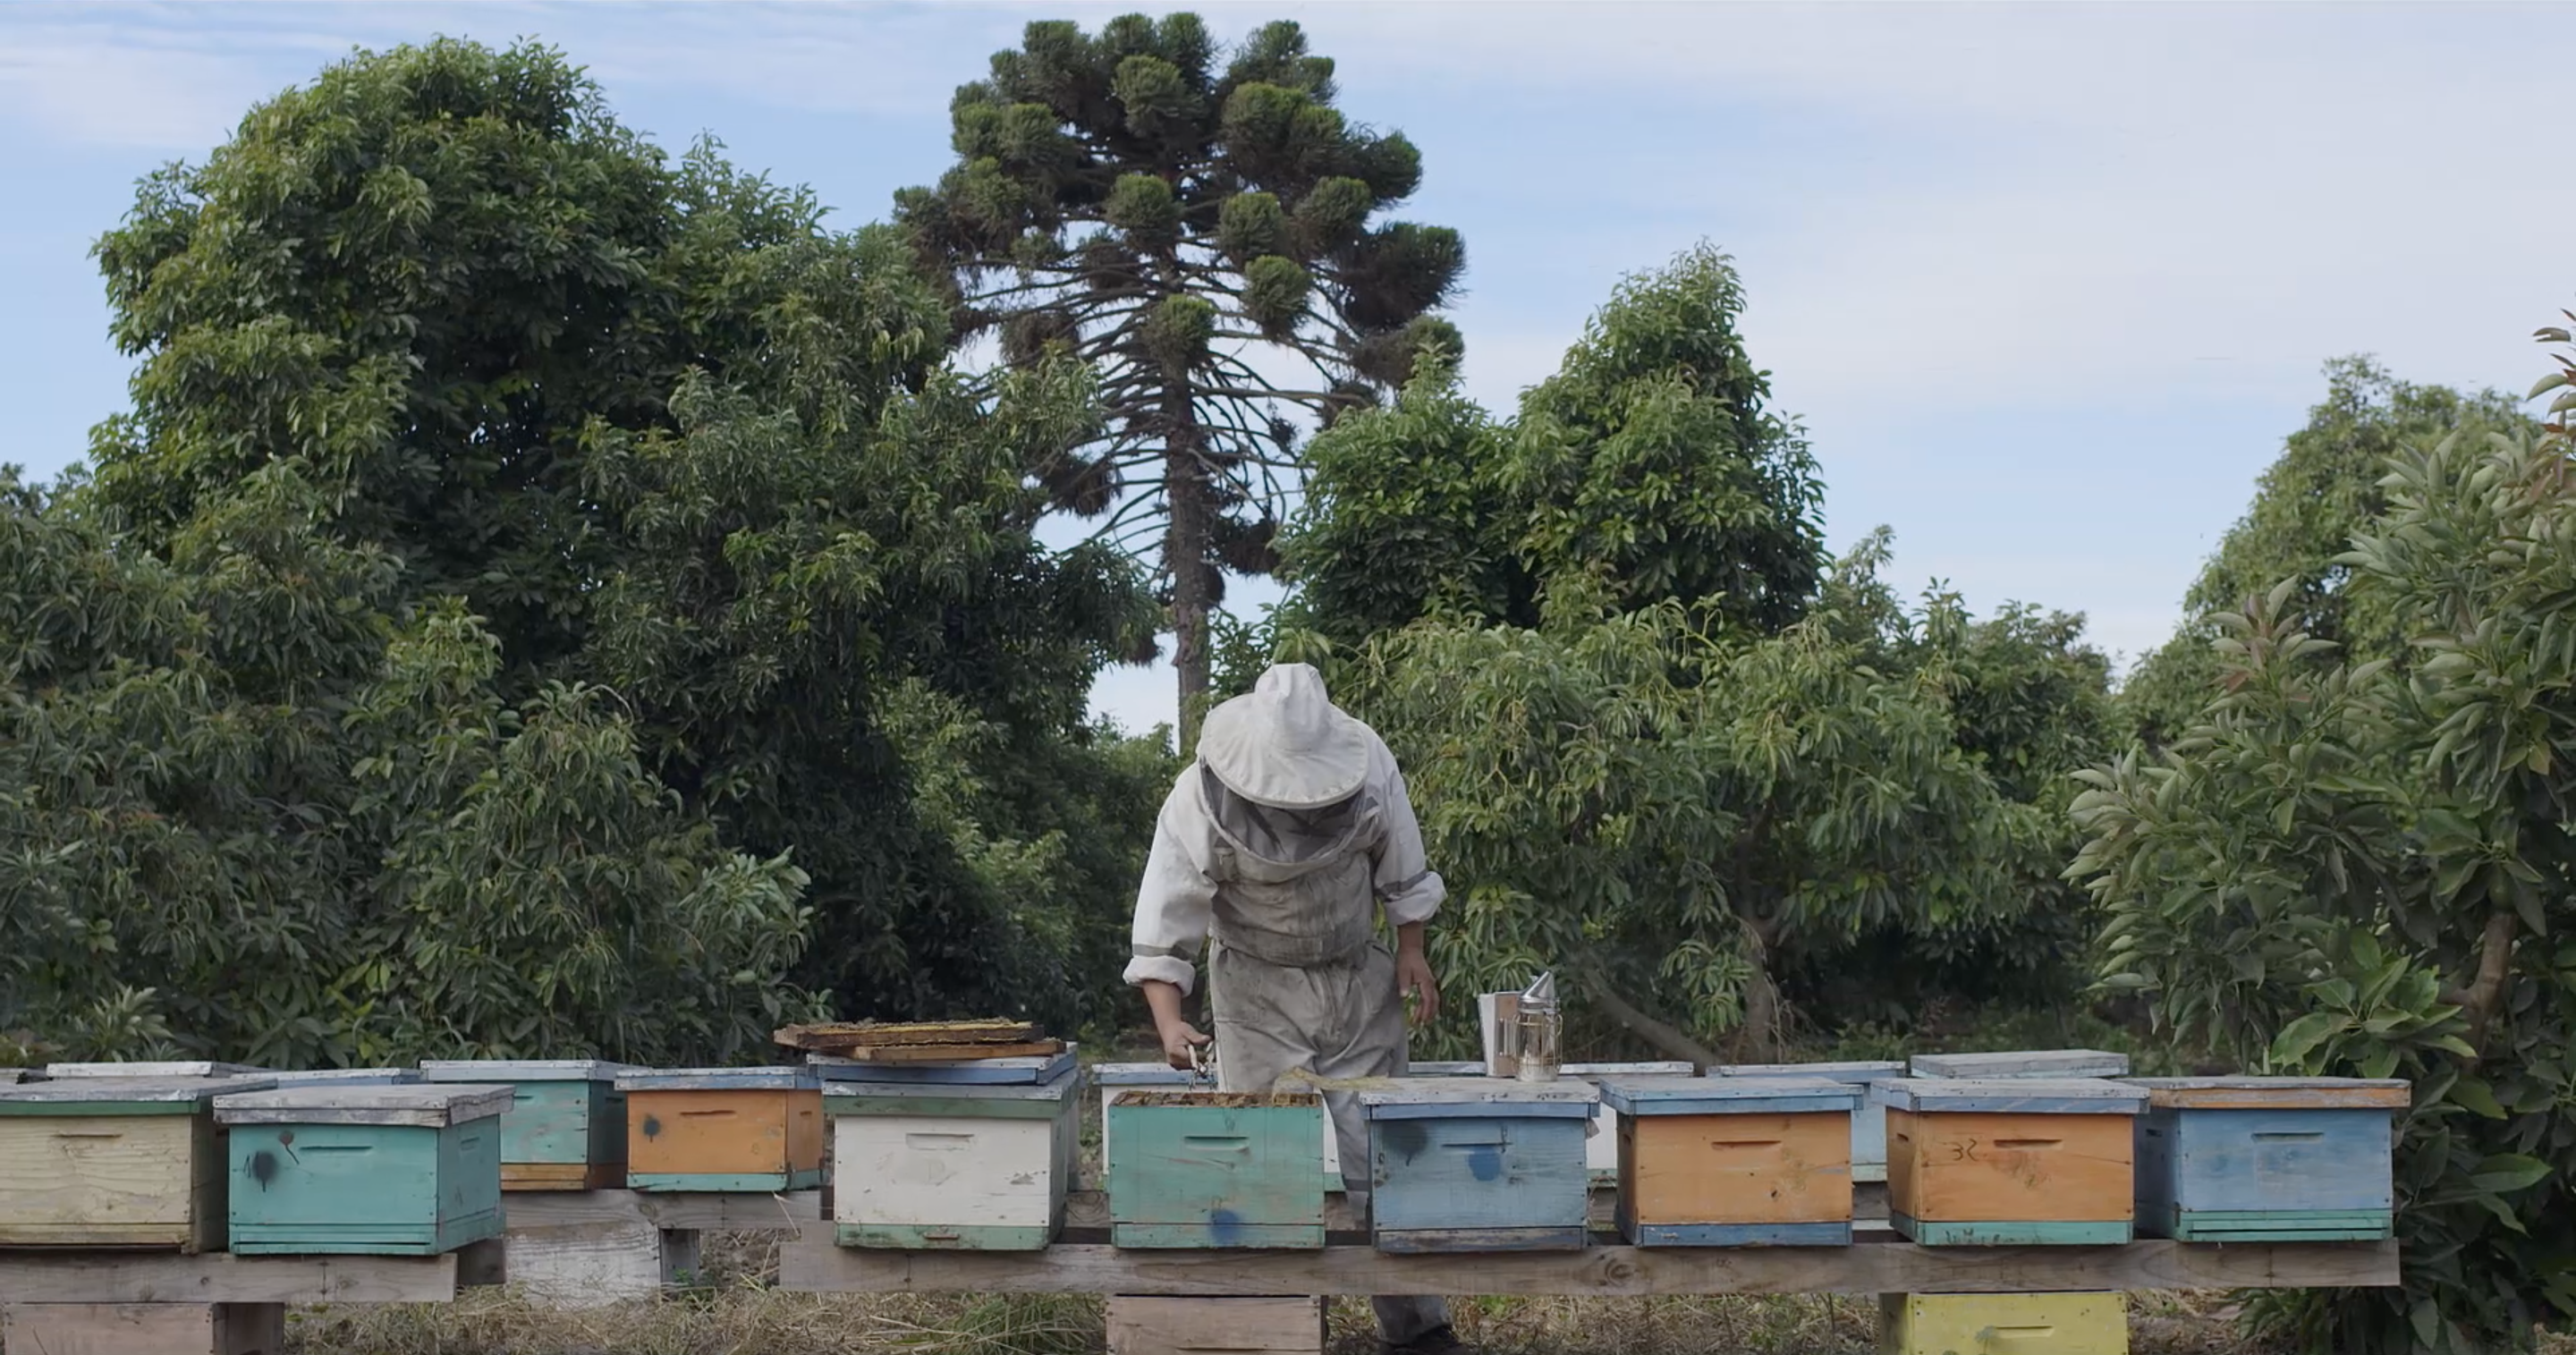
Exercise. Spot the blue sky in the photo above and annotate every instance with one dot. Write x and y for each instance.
(2046, 283)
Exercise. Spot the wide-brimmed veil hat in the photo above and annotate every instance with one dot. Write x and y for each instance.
(1285, 744)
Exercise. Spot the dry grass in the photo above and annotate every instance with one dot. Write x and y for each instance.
(734, 1312)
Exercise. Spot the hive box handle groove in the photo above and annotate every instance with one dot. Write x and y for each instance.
(941, 1141)
(2028, 1143)
(2284, 1136)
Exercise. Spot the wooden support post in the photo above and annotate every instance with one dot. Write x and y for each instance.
(145, 1328)
(1146, 1325)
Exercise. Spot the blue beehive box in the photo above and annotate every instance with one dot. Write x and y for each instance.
(1869, 1119)
(1474, 1164)
(2268, 1159)
(384, 1169)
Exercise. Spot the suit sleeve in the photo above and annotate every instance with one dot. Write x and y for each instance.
(1407, 887)
(1174, 901)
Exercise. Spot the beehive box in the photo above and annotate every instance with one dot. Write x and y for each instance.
(2009, 1161)
(2257, 1159)
(2024, 1063)
(1869, 1119)
(114, 1162)
(1734, 1161)
(566, 1128)
(918, 1166)
(1601, 1148)
(1117, 1079)
(350, 1077)
(723, 1129)
(388, 1170)
(1478, 1164)
(2002, 1324)
(1216, 1169)
(1157, 1325)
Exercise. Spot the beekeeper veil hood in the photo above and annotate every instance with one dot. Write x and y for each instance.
(1285, 744)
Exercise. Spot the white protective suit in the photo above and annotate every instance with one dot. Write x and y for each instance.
(1297, 976)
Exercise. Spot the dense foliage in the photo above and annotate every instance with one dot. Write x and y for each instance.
(2324, 488)
(2360, 865)
(1650, 740)
(1199, 225)
(501, 458)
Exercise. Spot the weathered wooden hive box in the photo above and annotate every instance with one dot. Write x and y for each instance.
(163, 1068)
(1869, 1118)
(1118, 1079)
(2024, 1063)
(1216, 1169)
(1734, 1161)
(1601, 1149)
(2002, 1324)
(2010, 1161)
(376, 1169)
(2256, 1159)
(973, 1167)
(723, 1129)
(114, 1162)
(1478, 1164)
(566, 1128)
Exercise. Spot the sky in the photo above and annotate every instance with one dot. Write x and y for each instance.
(2046, 284)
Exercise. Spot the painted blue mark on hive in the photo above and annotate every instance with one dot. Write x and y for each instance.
(1485, 1163)
(1225, 1227)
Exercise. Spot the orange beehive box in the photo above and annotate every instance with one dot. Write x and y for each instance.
(1734, 1161)
(724, 1129)
(2010, 1161)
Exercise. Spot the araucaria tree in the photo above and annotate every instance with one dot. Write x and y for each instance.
(1206, 230)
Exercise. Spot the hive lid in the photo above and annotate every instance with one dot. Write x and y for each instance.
(1863, 1070)
(1443, 1097)
(2024, 1063)
(424, 1104)
(10, 1077)
(1032, 1068)
(718, 1079)
(844, 1094)
(1674, 1068)
(522, 1070)
(2011, 1095)
(2277, 1093)
(347, 1077)
(1139, 1075)
(178, 1068)
(1728, 1095)
(177, 1094)
(1447, 1068)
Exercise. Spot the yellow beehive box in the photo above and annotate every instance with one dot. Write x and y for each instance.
(115, 1162)
(2002, 1324)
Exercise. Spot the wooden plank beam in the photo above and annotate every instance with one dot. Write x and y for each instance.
(221, 1277)
(673, 1211)
(813, 1263)
(1087, 1209)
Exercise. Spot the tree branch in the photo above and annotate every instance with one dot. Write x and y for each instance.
(1662, 1035)
(2486, 992)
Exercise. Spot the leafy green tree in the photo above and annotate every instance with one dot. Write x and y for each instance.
(1653, 744)
(250, 813)
(700, 472)
(2347, 868)
(2324, 488)
(1650, 462)
(1200, 225)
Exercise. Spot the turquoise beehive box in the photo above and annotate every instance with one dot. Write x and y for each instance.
(1479, 1164)
(566, 1128)
(381, 1169)
(1215, 1169)
(2266, 1159)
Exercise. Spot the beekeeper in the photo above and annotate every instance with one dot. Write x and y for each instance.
(1282, 840)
